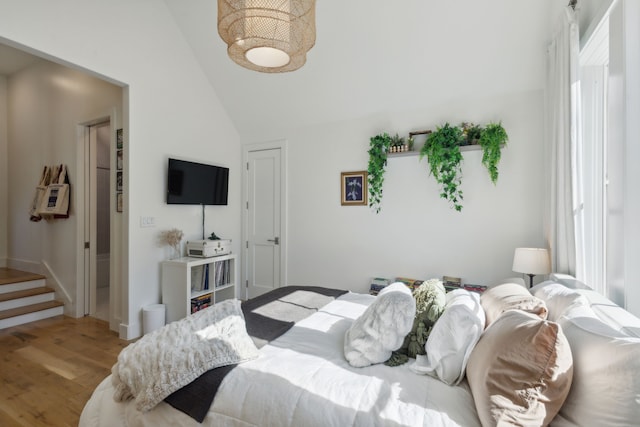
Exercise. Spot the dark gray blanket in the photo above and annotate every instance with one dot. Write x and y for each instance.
(267, 317)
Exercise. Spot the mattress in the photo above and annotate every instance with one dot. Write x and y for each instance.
(303, 379)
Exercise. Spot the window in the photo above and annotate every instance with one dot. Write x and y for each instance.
(591, 166)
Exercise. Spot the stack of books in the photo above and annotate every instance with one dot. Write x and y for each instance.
(378, 284)
(475, 288)
(200, 303)
(412, 284)
(451, 283)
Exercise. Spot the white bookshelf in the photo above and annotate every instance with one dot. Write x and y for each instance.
(178, 290)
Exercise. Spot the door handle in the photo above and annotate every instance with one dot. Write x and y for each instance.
(275, 240)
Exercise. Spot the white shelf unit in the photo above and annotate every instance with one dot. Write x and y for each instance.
(177, 290)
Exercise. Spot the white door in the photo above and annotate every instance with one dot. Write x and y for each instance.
(264, 220)
(97, 220)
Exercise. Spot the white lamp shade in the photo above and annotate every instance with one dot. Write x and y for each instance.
(531, 261)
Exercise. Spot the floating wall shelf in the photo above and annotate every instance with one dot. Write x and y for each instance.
(463, 148)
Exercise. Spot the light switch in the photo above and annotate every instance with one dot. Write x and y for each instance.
(147, 221)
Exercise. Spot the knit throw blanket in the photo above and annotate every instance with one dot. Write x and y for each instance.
(171, 357)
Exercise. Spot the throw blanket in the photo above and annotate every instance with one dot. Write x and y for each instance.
(171, 357)
(267, 317)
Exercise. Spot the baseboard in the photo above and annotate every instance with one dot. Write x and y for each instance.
(130, 332)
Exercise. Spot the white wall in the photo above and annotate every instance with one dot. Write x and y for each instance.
(416, 234)
(4, 173)
(449, 75)
(170, 110)
(46, 102)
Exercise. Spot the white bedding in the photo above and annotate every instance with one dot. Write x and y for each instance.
(303, 379)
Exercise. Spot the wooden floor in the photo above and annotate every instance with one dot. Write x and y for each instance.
(49, 368)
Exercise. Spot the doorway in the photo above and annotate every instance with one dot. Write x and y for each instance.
(264, 218)
(97, 219)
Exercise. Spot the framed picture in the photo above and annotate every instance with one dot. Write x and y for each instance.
(119, 202)
(119, 181)
(353, 188)
(119, 160)
(119, 139)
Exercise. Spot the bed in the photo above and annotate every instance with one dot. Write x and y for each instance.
(302, 379)
(549, 355)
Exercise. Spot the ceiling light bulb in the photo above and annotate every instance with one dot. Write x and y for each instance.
(267, 57)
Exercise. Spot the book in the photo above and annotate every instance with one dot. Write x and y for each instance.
(196, 277)
(205, 277)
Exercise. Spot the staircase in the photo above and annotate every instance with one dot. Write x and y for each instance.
(24, 298)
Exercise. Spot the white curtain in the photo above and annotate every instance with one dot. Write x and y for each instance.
(562, 112)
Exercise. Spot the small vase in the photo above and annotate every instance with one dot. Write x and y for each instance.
(175, 252)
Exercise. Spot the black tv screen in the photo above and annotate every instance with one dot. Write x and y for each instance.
(192, 183)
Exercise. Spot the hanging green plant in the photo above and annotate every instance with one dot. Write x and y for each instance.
(378, 148)
(442, 150)
(492, 138)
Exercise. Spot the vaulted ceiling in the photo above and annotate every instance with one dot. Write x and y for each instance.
(375, 55)
(372, 56)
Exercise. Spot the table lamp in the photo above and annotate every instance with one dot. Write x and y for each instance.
(531, 261)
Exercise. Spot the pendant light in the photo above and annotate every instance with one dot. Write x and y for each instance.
(270, 36)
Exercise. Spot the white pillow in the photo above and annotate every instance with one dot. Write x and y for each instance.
(606, 373)
(452, 338)
(558, 298)
(381, 328)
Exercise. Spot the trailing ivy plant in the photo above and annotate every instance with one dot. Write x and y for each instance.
(378, 148)
(442, 150)
(492, 138)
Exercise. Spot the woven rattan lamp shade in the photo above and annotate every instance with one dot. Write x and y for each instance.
(271, 36)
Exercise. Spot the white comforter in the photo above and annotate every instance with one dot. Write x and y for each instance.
(303, 379)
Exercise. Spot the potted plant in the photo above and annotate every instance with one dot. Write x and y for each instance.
(378, 148)
(442, 150)
(397, 144)
(471, 133)
(492, 138)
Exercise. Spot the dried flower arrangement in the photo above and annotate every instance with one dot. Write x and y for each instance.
(173, 238)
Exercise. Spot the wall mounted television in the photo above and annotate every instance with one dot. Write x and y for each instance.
(191, 183)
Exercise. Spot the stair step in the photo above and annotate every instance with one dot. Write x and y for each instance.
(31, 317)
(24, 297)
(9, 275)
(16, 280)
(13, 312)
(25, 293)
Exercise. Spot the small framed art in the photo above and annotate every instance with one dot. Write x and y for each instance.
(118, 202)
(119, 181)
(119, 160)
(119, 139)
(353, 188)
